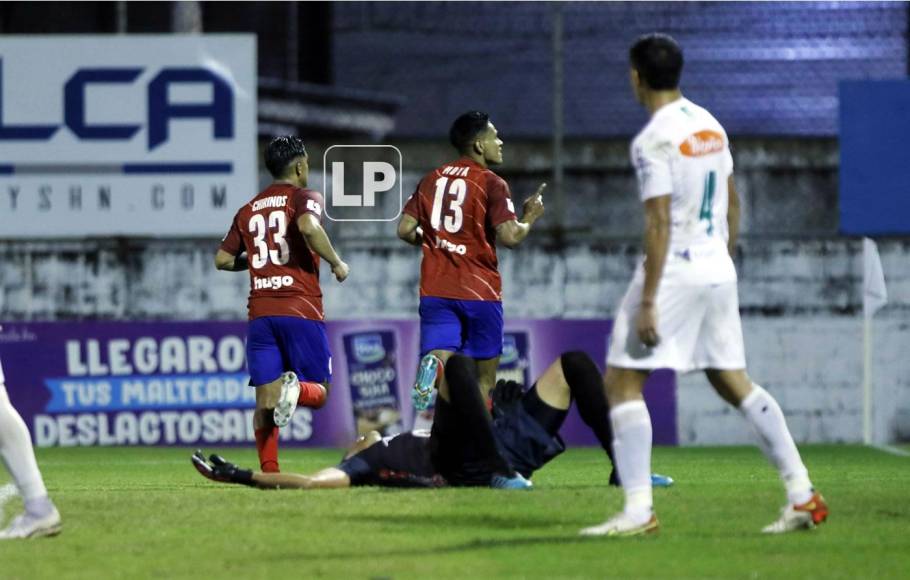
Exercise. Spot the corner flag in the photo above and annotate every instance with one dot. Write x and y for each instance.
(875, 295)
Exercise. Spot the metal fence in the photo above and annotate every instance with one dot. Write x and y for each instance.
(763, 68)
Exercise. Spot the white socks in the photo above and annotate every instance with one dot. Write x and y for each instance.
(764, 414)
(632, 450)
(19, 457)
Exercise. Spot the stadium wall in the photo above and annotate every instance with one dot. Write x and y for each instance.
(801, 302)
(800, 282)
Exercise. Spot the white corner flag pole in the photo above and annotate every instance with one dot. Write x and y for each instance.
(875, 295)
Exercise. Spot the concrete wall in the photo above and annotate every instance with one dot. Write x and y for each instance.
(800, 289)
(813, 366)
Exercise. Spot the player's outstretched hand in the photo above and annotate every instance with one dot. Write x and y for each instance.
(533, 206)
(341, 271)
(202, 466)
(217, 468)
(647, 325)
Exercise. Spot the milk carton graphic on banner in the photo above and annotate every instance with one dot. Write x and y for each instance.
(515, 362)
(372, 365)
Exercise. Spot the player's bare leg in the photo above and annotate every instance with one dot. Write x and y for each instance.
(805, 508)
(486, 375)
(552, 387)
(632, 437)
(430, 376)
(264, 426)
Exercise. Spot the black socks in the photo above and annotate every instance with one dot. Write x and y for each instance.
(465, 397)
(587, 388)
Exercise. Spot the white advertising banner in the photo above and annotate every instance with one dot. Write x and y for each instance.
(151, 135)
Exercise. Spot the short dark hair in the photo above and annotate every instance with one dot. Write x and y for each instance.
(466, 128)
(658, 60)
(281, 151)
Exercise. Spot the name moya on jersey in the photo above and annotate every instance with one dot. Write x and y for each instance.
(456, 171)
(272, 282)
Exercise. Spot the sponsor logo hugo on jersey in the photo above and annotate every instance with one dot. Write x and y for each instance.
(448, 246)
(272, 282)
(702, 143)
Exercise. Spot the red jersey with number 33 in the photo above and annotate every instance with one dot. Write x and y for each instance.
(458, 207)
(284, 273)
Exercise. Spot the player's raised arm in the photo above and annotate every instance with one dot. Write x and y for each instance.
(319, 242)
(513, 232)
(732, 215)
(657, 242)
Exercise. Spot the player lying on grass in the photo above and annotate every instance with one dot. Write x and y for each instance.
(456, 452)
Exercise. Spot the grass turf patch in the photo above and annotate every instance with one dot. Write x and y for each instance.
(140, 512)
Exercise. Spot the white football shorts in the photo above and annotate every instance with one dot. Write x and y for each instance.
(698, 325)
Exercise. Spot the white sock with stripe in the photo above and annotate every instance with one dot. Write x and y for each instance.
(767, 419)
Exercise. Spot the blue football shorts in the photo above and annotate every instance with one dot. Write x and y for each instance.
(470, 327)
(276, 344)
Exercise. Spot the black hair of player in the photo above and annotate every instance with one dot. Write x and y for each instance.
(466, 128)
(658, 59)
(281, 151)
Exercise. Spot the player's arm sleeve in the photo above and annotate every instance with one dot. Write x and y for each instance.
(357, 469)
(651, 159)
(233, 241)
(307, 201)
(728, 159)
(361, 467)
(500, 208)
(412, 206)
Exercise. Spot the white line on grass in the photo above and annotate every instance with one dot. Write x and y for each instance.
(893, 450)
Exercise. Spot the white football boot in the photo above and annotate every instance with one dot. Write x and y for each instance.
(30, 526)
(287, 402)
(800, 517)
(621, 525)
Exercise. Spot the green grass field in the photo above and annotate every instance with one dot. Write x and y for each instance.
(138, 513)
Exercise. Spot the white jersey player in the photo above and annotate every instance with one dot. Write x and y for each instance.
(41, 517)
(681, 310)
(684, 152)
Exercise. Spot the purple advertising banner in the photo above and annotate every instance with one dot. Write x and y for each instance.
(185, 383)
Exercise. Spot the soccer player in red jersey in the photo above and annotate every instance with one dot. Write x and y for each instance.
(278, 237)
(457, 214)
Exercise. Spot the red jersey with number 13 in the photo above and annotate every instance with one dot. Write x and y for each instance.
(458, 207)
(284, 273)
